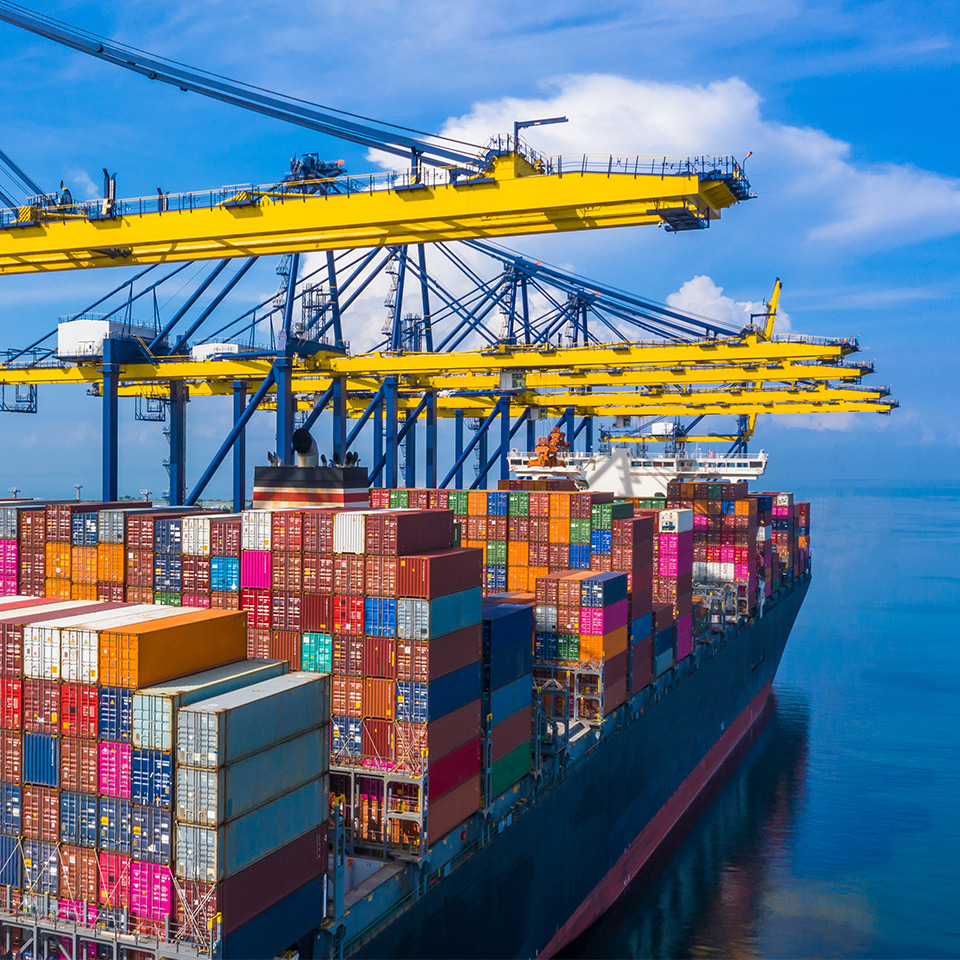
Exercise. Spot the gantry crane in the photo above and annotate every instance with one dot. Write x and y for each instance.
(541, 360)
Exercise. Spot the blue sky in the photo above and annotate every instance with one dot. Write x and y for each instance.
(847, 107)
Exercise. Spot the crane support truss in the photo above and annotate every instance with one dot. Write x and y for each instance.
(513, 199)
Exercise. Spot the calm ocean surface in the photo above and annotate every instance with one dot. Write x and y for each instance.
(838, 835)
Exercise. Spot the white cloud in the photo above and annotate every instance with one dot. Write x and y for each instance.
(819, 421)
(704, 298)
(85, 188)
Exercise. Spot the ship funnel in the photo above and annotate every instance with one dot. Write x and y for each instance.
(305, 448)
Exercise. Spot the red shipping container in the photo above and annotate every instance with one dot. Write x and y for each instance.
(539, 505)
(318, 531)
(346, 696)
(286, 572)
(348, 575)
(458, 766)
(79, 765)
(40, 813)
(419, 499)
(114, 880)
(379, 657)
(258, 644)
(32, 527)
(438, 500)
(140, 567)
(78, 710)
(224, 601)
(108, 590)
(518, 528)
(285, 612)
(496, 528)
(285, 645)
(11, 755)
(378, 740)
(425, 660)
(511, 732)
(380, 576)
(33, 572)
(11, 703)
(287, 531)
(257, 605)
(440, 573)
(408, 531)
(348, 656)
(539, 555)
(539, 529)
(348, 615)
(79, 874)
(316, 613)
(379, 698)
(453, 808)
(641, 666)
(195, 575)
(225, 537)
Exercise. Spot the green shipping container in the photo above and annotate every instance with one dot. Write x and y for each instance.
(399, 499)
(510, 768)
(568, 646)
(580, 531)
(457, 534)
(518, 503)
(458, 502)
(167, 599)
(316, 653)
(497, 551)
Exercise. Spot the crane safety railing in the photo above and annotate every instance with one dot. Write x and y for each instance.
(49, 208)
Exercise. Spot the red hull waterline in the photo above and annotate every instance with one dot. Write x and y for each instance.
(638, 854)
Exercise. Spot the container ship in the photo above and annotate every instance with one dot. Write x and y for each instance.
(340, 727)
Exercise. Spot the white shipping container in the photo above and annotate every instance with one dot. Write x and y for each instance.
(154, 708)
(223, 729)
(784, 500)
(212, 854)
(413, 619)
(676, 521)
(208, 798)
(256, 529)
(726, 571)
(764, 534)
(350, 531)
(195, 536)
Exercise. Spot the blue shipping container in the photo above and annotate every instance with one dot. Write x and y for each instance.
(580, 556)
(167, 573)
(78, 819)
(664, 640)
(497, 503)
(641, 627)
(115, 714)
(152, 830)
(10, 862)
(41, 759)
(151, 778)
(9, 809)
(380, 617)
(603, 589)
(444, 695)
(545, 646)
(115, 824)
(347, 736)
(83, 529)
(41, 867)
(495, 577)
(412, 701)
(600, 541)
(167, 536)
(509, 699)
(510, 663)
(225, 574)
(506, 624)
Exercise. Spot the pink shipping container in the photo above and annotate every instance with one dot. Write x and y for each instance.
(8, 561)
(200, 601)
(114, 769)
(667, 566)
(701, 521)
(597, 621)
(255, 569)
(79, 911)
(743, 571)
(150, 890)
(114, 880)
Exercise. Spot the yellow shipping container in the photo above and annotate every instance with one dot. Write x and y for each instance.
(83, 565)
(160, 650)
(58, 560)
(111, 562)
(57, 587)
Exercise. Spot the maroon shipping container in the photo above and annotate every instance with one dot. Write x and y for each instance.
(347, 656)
(225, 537)
(139, 567)
(33, 571)
(258, 644)
(11, 755)
(379, 698)
(318, 531)
(225, 601)
(453, 808)
(615, 668)
(316, 613)
(425, 660)
(285, 645)
(380, 657)
(318, 573)
(568, 619)
(380, 576)
(286, 571)
(112, 592)
(539, 506)
(518, 528)
(139, 594)
(458, 766)
(558, 557)
(79, 874)
(614, 695)
(601, 563)
(285, 612)
(78, 765)
(11, 703)
(378, 740)
(32, 527)
(40, 813)
(439, 573)
(437, 499)
(348, 575)
(246, 894)
(78, 710)
(346, 696)
(511, 732)
(418, 741)
(539, 555)
(641, 667)
(418, 499)
(408, 531)
(195, 575)
(496, 528)
(41, 706)
(287, 531)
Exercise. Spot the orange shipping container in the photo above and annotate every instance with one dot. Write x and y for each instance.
(171, 647)
(518, 555)
(517, 578)
(533, 575)
(559, 505)
(477, 503)
(111, 562)
(58, 560)
(83, 591)
(559, 529)
(83, 564)
(57, 588)
(379, 698)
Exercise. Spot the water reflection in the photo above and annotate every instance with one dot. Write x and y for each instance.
(704, 896)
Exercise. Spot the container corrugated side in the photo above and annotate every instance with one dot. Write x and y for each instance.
(154, 708)
(227, 728)
(349, 531)
(210, 797)
(419, 619)
(210, 855)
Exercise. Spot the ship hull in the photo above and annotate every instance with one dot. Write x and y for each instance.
(564, 861)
